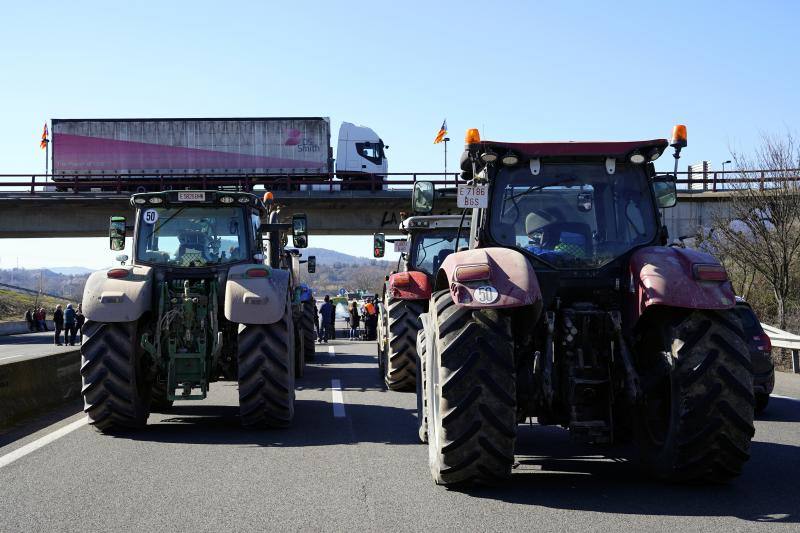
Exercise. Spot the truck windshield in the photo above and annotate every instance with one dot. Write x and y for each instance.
(192, 236)
(573, 216)
(429, 248)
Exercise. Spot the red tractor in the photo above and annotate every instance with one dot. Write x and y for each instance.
(570, 307)
(430, 239)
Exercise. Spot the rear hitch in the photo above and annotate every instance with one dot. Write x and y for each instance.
(634, 388)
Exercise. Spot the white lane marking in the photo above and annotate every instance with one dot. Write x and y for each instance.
(39, 443)
(785, 397)
(331, 350)
(338, 399)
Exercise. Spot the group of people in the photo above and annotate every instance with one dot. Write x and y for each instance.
(326, 320)
(37, 319)
(369, 314)
(69, 320)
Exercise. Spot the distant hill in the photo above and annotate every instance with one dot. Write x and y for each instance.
(71, 271)
(330, 257)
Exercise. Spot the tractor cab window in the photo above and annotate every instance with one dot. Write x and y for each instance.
(573, 216)
(192, 236)
(430, 248)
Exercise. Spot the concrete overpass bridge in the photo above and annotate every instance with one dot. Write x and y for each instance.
(35, 209)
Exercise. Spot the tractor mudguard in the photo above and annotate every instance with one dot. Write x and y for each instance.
(489, 278)
(412, 285)
(123, 299)
(666, 276)
(255, 300)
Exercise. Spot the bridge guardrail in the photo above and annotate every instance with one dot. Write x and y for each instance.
(787, 341)
(710, 181)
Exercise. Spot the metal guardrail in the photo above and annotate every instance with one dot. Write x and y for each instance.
(711, 181)
(787, 341)
(127, 182)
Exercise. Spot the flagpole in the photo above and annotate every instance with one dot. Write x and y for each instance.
(445, 156)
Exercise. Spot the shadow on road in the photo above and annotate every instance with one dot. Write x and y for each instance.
(781, 410)
(554, 472)
(314, 423)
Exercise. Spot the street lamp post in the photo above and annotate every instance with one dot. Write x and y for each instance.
(723, 169)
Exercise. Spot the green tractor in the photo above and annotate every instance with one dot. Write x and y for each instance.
(199, 302)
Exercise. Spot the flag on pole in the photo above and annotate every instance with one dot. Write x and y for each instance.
(45, 140)
(442, 133)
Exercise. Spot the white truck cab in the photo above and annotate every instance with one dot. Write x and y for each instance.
(360, 151)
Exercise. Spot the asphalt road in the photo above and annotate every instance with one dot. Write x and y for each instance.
(196, 469)
(14, 347)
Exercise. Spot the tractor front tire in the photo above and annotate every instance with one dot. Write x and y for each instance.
(400, 373)
(696, 423)
(266, 356)
(471, 392)
(115, 393)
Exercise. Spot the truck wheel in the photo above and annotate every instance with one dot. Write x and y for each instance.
(401, 350)
(158, 397)
(696, 422)
(115, 395)
(422, 397)
(471, 389)
(309, 337)
(266, 373)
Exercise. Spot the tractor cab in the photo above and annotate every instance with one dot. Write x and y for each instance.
(430, 239)
(196, 229)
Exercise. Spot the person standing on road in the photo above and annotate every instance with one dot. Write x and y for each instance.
(370, 319)
(354, 321)
(328, 315)
(69, 326)
(43, 318)
(316, 321)
(29, 319)
(58, 321)
(80, 319)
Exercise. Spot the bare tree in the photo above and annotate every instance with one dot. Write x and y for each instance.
(760, 232)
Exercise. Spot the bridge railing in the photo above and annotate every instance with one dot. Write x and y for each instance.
(787, 341)
(132, 182)
(124, 183)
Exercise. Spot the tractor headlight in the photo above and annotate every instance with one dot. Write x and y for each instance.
(636, 157)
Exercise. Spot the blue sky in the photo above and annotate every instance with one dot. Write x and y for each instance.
(523, 71)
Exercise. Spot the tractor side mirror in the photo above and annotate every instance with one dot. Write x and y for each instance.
(422, 198)
(378, 244)
(312, 264)
(300, 230)
(665, 191)
(116, 233)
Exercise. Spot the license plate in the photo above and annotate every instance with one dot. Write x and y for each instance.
(473, 196)
(400, 246)
(191, 196)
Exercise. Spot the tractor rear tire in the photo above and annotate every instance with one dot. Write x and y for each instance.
(309, 334)
(697, 420)
(158, 397)
(266, 356)
(115, 393)
(422, 393)
(471, 389)
(401, 349)
(299, 351)
(382, 341)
